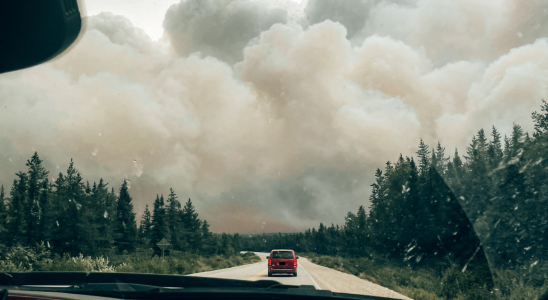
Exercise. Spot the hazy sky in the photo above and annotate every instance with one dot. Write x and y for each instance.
(272, 115)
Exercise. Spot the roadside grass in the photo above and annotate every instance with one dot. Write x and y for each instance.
(415, 283)
(39, 259)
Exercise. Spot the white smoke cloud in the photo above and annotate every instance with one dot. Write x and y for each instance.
(243, 106)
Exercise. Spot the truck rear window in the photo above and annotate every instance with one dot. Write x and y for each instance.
(282, 254)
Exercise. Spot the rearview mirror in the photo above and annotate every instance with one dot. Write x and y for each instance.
(35, 31)
(268, 257)
(297, 257)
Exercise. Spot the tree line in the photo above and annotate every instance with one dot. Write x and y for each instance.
(71, 216)
(428, 209)
(433, 209)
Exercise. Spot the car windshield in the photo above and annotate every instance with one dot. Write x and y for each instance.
(398, 147)
(282, 254)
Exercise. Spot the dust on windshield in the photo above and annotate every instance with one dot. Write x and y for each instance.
(401, 142)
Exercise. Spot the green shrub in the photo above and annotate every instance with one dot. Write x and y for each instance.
(418, 294)
(141, 261)
(80, 263)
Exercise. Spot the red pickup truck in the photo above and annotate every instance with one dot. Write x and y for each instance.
(282, 261)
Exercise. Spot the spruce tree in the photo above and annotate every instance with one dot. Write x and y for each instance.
(495, 149)
(3, 217)
(441, 159)
(475, 197)
(173, 218)
(411, 220)
(424, 157)
(48, 213)
(363, 229)
(125, 226)
(541, 119)
(146, 224)
(36, 175)
(351, 233)
(191, 226)
(18, 222)
(208, 241)
(60, 206)
(159, 228)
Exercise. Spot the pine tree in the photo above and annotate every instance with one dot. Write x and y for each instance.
(126, 227)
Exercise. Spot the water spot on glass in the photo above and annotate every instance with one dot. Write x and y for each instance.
(527, 248)
(533, 264)
(57, 223)
(105, 214)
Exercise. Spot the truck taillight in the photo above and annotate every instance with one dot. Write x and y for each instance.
(294, 261)
(270, 261)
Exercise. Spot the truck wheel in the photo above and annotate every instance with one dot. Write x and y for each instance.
(269, 274)
(295, 274)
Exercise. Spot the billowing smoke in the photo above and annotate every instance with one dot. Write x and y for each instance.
(272, 119)
(219, 28)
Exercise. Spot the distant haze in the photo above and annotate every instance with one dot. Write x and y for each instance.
(273, 116)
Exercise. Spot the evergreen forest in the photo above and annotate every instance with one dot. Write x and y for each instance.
(75, 217)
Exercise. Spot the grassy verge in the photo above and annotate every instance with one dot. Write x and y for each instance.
(416, 283)
(38, 259)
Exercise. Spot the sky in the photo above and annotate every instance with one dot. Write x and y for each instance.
(272, 116)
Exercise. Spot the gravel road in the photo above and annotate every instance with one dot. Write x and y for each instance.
(309, 274)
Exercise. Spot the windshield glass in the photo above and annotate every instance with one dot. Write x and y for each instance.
(282, 254)
(397, 146)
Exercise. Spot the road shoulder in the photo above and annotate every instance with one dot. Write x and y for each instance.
(340, 282)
